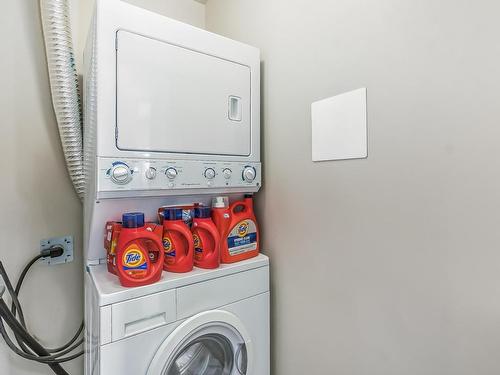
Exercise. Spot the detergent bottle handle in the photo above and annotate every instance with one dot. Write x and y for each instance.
(237, 204)
(188, 236)
(212, 231)
(159, 246)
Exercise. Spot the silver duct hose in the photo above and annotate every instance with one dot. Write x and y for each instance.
(64, 85)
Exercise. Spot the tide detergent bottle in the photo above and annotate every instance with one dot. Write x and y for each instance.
(178, 243)
(206, 239)
(237, 227)
(139, 255)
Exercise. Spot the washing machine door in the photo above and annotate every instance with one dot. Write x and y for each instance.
(210, 343)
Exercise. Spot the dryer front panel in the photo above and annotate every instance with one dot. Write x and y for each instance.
(172, 99)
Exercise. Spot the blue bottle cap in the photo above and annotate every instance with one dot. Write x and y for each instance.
(202, 212)
(172, 214)
(133, 220)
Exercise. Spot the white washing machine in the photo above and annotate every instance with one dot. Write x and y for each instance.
(210, 322)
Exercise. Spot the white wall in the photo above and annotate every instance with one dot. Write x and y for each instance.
(389, 265)
(189, 11)
(37, 198)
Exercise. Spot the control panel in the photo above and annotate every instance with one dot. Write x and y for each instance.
(141, 174)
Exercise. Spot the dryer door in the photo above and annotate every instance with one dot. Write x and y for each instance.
(173, 99)
(210, 343)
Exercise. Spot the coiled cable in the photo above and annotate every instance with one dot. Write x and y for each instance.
(28, 347)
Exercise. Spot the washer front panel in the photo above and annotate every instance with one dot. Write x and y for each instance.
(136, 354)
(215, 324)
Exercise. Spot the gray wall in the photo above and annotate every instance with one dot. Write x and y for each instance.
(389, 265)
(36, 196)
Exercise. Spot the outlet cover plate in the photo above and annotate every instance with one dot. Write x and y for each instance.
(67, 256)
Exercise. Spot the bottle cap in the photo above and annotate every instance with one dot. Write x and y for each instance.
(202, 212)
(220, 202)
(172, 214)
(133, 220)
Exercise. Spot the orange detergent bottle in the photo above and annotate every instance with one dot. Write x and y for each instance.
(139, 255)
(112, 235)
(206, 239)
(178, 243)
(237, 227)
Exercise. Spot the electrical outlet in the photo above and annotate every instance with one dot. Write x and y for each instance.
(65, 242)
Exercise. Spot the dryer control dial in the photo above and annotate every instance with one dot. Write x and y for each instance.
(209, 173)
(249, 174)
(150, 173)
(227, 173)
(120, 173)
(171, 173)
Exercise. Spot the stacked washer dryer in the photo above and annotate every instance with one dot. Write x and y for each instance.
(171, 117)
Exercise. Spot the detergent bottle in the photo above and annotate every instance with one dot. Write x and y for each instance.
(178, 243)
(112, 233)
(206, 239)
(139, 255)
(237, 227)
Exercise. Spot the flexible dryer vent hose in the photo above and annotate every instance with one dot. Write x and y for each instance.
(64, 85)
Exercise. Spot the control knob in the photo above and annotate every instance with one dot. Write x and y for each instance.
(120, 173)
(249, 174)
(171, 173)
(151, 173)
(209, 173)
(227, 173)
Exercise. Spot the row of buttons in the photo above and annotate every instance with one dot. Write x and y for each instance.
(121, 174)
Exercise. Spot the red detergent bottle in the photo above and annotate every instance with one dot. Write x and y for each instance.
(178, 243)
(237, 227)
(139, 255)
(206, 239)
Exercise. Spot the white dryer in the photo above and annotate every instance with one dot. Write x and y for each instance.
(206, 322)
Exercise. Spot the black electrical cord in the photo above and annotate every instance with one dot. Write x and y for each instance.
(48, 359)
(61, 348)
(24, 337)
(29, 348)
(15, 301)
(32, 343)
(19, 284)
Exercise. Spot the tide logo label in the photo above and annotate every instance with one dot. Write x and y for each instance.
(198, 250)
(197, 241)
(167, 244)
(243, 229)
(133, 258)
(168, 247)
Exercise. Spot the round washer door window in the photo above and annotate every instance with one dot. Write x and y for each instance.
(211, 343)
